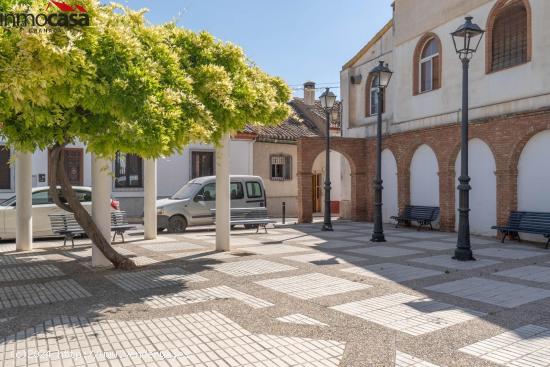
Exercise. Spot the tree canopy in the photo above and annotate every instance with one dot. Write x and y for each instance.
(122, 84)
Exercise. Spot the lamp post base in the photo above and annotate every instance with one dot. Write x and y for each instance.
(463, 254)
(327, 227)
(378, 237)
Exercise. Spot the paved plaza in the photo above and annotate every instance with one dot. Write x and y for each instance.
(295, 296)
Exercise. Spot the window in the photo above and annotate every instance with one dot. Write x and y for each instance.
(202, 164)
(207, 193)
(5, 170)
(427, 64)
(73, 158)
(372, 97)
(254, 190)
(128, 171)
(508, 35)
(237, 191)
(281, 167)
(83, 196)
(41, 198)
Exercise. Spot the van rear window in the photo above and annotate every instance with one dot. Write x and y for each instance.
(254, 190)
(237, 191)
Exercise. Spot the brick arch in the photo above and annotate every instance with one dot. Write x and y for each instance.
(519, 146)
(416, 61)
(493, 14)
(355, 151)
(453, 155)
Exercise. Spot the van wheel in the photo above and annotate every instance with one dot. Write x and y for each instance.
(177, 224)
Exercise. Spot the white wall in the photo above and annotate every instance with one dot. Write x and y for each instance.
(534, 174)
(424, 177)
(483, 197)
(389, 194)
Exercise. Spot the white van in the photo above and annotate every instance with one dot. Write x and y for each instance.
(192, 204)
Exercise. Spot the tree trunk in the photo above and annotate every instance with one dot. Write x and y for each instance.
(59, 177)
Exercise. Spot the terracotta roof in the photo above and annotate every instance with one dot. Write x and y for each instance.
(304, 121)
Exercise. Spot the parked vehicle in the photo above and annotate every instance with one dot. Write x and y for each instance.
(42, 206)
(192, 204)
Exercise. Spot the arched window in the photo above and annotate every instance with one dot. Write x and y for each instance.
(508, 35)
(427, 64)
(372, 97)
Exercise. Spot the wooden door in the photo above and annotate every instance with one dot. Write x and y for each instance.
(74, 162)
(317, 193)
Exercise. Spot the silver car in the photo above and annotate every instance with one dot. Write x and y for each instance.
(192, 204)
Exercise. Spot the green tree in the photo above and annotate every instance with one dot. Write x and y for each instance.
(122, 85)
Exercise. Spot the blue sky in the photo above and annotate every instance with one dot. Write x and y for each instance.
(297, 40)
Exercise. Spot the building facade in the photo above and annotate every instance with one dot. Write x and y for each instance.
(509, 109)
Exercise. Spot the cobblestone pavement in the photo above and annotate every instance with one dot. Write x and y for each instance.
(293, 297)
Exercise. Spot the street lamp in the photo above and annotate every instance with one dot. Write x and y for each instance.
(327, 102)
(466, 40)
(381, 76)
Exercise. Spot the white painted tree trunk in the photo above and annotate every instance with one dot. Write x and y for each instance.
(223, 196)
(150, 199)
(101, 205)
(23, 190)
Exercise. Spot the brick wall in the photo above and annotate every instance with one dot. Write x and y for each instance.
(506, 136)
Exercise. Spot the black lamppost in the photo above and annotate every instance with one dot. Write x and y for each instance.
(466, 40)
(327, 102)
(381, 76)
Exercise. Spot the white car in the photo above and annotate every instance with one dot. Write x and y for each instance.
(42, 206)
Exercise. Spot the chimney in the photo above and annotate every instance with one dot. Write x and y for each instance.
(309, 93)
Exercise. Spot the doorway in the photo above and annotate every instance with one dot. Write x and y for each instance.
(317, 193)
(74, 158)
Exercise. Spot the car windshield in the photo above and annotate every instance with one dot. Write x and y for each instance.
(187, 191)
(8, 202)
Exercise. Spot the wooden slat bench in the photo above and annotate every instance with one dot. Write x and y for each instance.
(119, 224)
(66, 225)
(526, 222)
(249, 216)
(423, 215)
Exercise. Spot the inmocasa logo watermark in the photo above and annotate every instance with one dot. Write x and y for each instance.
(67, 16)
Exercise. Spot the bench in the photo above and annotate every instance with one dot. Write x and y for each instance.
(119, 224)
(526, 222)
(249, 217)
(65, 225)
(423, 215)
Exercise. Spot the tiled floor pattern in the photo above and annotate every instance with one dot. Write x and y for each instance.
(173, 246)
(527, 346)
(201, 256)
(19, 260)
(274, 249)
(384, 251)
(409, 314)
(138, 280)
(503, 294)
(13, 274)
(532, 273)
(446, 261)
(250, 267)
(406, 360)
(320, 258)
(392, 272)
(203, 295)
(206, 339)
(430, 245)
(41, 293)
(312, 285)
(300, 319)
(504, 253)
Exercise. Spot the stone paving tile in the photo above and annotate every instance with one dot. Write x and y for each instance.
(527, 346)
(533, 273)
(275, 249)
(473, 240)
(431, 245)
(205, 339)
(384, 251)
(446, 261)
(320, 258)
(406, 360)
(312, 285)
(201, 256)
(250, 267)
(494, 292)
(19, 259)
(392, 272)
(41, 293)
(367, 237)
(172, 247)
(141, 261)
(305, 240)
(337, 244)
(300, 319)
(421, 235)
(29, 272)
(505, 253)
(133, 281)
(204, 295)
(409, 314)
